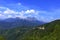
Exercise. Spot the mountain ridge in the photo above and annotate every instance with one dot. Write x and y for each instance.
(17, 22)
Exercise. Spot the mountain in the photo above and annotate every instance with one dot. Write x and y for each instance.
(18, 22)
(49, 31)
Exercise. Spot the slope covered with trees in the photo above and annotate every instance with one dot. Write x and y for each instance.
(49, 31)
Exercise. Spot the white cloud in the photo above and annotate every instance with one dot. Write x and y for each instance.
(8, 11)
(21, 13)
(30, 11)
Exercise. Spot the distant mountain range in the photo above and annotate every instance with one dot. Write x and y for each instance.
(18, 22)
(49, 31)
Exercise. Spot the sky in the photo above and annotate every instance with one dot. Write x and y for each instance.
(43, 10)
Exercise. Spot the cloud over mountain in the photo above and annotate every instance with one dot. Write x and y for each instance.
(18, 10)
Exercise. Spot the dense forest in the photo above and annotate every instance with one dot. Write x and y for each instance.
(49, 31)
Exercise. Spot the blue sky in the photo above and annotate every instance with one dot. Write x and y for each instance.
(43, 10)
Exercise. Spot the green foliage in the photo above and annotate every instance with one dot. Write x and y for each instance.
(51, 32)
(2, 37)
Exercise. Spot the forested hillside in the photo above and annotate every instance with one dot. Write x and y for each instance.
(49, 31)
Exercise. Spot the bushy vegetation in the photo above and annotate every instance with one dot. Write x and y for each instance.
(51, 31)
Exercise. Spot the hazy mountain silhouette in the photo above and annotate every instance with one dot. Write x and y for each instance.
(18, 22)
